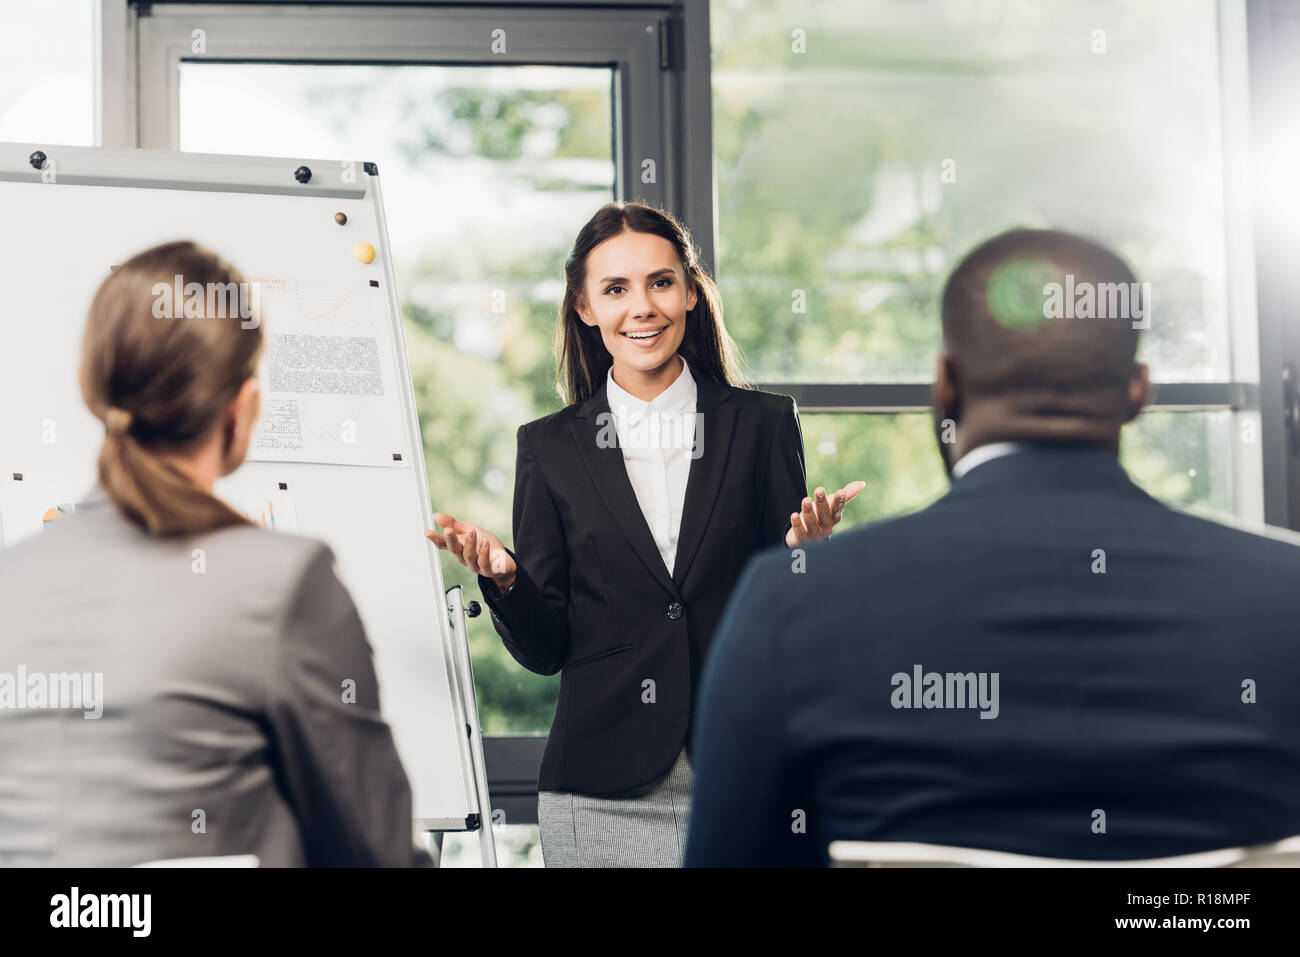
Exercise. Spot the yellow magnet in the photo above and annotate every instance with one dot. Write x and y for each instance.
(364, 252)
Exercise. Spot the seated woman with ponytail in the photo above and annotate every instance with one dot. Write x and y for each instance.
(222, 647)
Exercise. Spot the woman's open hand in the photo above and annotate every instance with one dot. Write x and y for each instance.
(476, 548)
(820, 515)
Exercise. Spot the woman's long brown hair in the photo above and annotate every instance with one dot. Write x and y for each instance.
(582, 360)
(175, 377)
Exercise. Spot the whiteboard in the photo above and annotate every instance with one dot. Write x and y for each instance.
(361, 488)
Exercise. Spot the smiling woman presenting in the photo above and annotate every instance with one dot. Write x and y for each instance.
(636, 508)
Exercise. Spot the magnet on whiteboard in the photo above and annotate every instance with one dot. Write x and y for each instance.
(364, 252)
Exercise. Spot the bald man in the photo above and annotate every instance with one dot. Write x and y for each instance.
(1046, 661)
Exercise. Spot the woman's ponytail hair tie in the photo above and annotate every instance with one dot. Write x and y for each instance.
(117, 420)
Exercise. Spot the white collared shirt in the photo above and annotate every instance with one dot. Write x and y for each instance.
(657, 438)
(983, 453)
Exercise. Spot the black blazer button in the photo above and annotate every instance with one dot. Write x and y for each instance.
(675, 610)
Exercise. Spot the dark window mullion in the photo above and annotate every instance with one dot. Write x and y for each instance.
(884, 397)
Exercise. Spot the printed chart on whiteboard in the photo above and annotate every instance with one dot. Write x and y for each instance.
(329, 385)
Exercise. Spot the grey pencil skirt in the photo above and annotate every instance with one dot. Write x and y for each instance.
(643, 827)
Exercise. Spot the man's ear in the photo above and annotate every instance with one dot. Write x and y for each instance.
(943, 393)
(1141, 391)
(946, 405)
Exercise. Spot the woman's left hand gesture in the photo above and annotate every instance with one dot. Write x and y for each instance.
(820, 515)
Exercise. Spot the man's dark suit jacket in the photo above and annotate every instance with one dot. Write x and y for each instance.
(593, 597)
(1122, 693)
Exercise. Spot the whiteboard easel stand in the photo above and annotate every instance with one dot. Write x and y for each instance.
(465, 673)
(462, 670)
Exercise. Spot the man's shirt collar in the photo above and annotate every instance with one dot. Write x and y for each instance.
(984, 453)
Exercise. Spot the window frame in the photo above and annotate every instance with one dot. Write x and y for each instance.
(1266, 477)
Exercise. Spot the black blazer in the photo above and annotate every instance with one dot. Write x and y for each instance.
(1120, 692)
(593, 597)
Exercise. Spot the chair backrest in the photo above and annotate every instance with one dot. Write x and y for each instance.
(229, 860)
(1285, 853)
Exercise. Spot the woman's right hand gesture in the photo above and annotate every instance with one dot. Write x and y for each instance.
(476, 548)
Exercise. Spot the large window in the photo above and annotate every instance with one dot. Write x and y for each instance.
(862, 149)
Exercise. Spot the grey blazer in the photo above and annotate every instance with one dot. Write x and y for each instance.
(224, 660)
